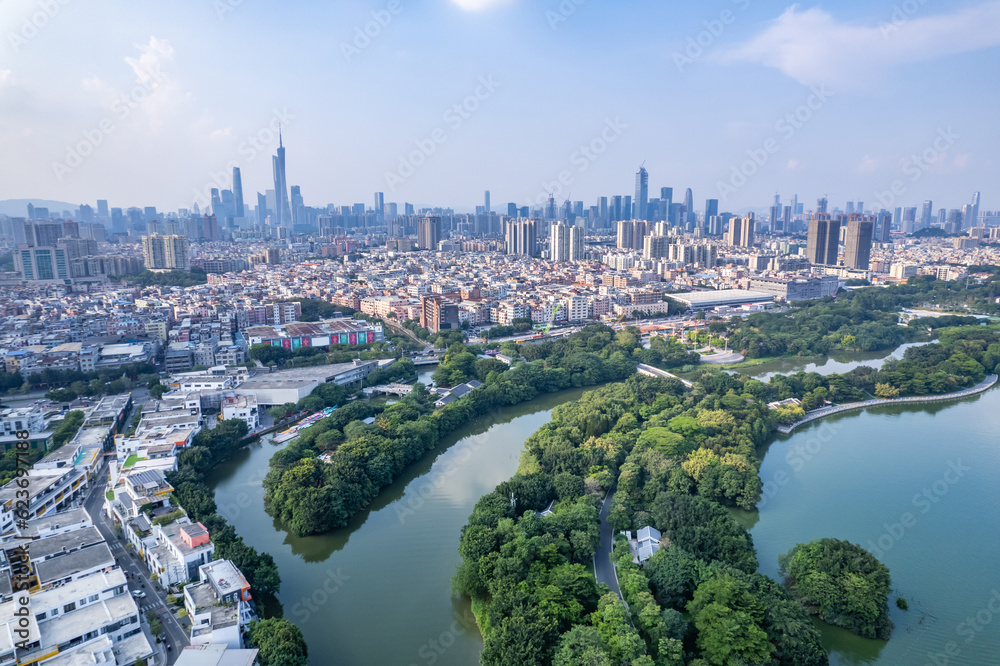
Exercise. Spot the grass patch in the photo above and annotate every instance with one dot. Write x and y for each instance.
(168, 518)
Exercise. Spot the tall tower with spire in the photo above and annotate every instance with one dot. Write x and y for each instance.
(283, 210)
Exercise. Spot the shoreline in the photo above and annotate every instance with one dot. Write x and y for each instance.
(981, 387)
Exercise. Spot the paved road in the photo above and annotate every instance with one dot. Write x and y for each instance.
(177, 637)
(604, 570)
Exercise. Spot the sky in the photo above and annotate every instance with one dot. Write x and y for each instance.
(890, 102)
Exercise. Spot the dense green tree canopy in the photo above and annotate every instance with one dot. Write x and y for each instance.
(842, 583)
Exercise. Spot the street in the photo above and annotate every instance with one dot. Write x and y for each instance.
(155, 600)
(604, 570)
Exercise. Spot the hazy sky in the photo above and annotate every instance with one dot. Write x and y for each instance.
(141, 103)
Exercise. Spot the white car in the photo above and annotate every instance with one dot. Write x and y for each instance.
(138, 594)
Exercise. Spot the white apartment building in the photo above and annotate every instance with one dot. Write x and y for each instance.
(180, 549)
(31, 419)
(219, 605)
(242, 407)
(87, 621)
(577, 308)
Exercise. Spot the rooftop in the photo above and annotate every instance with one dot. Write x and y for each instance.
(65, 566)
(55, 521)
(53, 546)
(215, 655)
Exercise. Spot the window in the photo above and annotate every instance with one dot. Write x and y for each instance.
(41, 616)
(83, 602)
(70, 607)
(93, 598)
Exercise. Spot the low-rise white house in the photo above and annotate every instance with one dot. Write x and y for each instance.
(649, 542)
(219, 605)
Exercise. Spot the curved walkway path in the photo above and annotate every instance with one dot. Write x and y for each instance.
(984, 385)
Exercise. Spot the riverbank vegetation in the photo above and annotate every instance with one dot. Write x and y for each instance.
(842, 583)
(674, 454)
(209, 448)
(279, 641)
(961, 358)
(310, 495)
(858, 320)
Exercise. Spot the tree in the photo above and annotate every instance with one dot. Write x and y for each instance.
(279, 641)
(582, 646)
(842, 583)
(886, 391)
(728, 618)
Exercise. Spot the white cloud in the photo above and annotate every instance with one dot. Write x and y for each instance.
(813, 47)
(478, 5)
(147, 66)
(157, 91)
(868, 164)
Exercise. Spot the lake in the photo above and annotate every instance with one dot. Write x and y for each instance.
(379, 591)
(919, 488)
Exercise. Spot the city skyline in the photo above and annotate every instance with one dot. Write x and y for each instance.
(179, 107)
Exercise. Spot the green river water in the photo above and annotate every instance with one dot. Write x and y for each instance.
(378, 591)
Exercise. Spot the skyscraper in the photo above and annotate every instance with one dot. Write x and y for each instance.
(429, 233)
(954, 223)
(821, 205)
(966, 217)
(486, 200)
(576, 244)
(711, 208)
(166, 253)
(616, 208)
(297, 206)
(240, 210)
(43, 263)
(741, 231)
(282, 208)
(559, 245)
(262, 211)
(521, 238)
(656, 247)
(117, 221)
(974, 213)
(776, 218)
(858, 247)
(926, 213)
(909, 220)
(380, 206)
(823, 240)
(43, 234)
(884, 226)
(626, 234)
(602, 211)
(641, 194)
(688, 220)
(666, 198)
